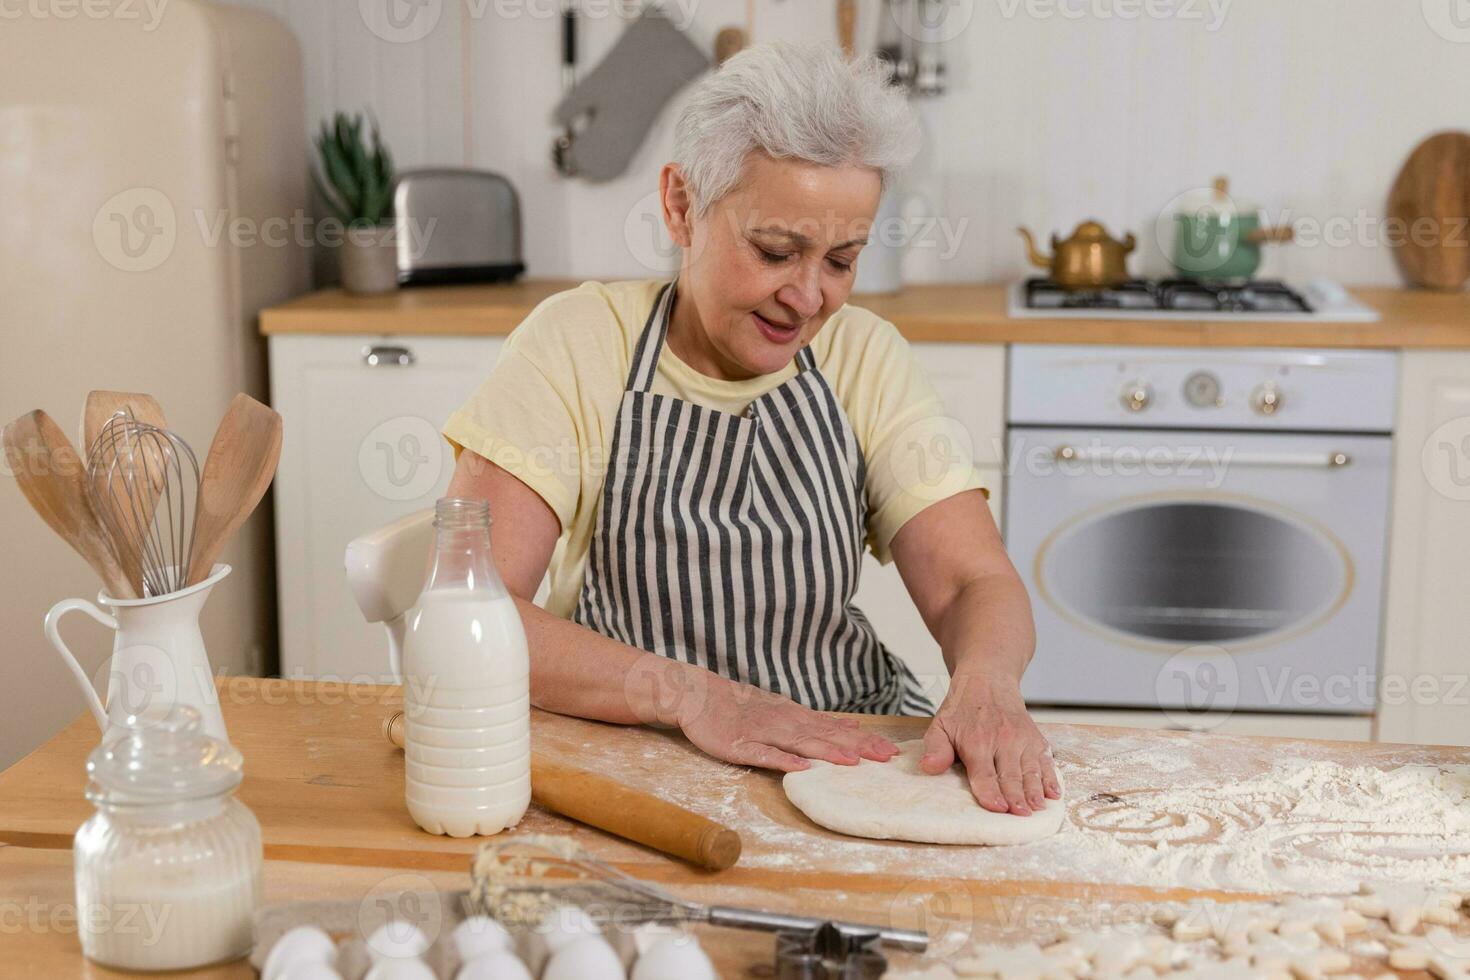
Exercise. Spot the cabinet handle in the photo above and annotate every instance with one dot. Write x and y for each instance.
(382, 356)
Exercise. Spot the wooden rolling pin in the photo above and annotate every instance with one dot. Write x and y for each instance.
(620, 810)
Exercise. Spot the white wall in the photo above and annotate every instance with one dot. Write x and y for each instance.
(1309, 105)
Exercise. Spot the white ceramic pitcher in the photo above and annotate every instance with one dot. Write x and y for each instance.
(158, 655)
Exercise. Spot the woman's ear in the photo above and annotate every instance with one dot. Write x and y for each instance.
(678, 205)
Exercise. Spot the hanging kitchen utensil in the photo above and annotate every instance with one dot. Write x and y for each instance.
(52, 477)
(728, 43)
(1090, 259)
(143, 484)
(847, 26)
(241, 464)
(1432, 194)
(1218, 239)
(568, 83)
(608, 115)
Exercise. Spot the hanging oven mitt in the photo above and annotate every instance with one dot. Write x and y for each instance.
(611, 111)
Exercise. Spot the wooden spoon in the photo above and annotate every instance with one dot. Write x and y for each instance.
(241, 464)
(103, 405)
(54, 480)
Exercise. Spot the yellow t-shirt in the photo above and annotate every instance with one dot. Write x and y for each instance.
(547, 412)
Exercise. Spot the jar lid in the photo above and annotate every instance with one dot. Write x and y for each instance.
(163, 756)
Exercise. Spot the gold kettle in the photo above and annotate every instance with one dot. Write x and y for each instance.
(1090, 259)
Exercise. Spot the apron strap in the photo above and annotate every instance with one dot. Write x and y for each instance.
(651, 342)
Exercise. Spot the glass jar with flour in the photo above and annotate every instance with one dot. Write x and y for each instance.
(466, 687)
(168, 868)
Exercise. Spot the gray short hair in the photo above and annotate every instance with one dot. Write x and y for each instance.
(801, 101)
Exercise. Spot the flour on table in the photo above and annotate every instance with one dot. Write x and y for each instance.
(896, 800)
(1405, 906)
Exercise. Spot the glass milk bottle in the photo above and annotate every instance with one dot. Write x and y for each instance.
(466, 687)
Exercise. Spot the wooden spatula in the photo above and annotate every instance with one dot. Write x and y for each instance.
(241, 464)
(102, 405)
(54, 480)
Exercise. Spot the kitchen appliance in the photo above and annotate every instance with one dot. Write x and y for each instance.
(1219, 240)
(1090, 259)
(1263, 300)
(1181, 515)
(456, 226)
(152, 177)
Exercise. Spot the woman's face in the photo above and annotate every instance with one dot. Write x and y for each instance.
(769, 262)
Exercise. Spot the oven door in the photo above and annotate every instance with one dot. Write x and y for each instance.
(1182, 569)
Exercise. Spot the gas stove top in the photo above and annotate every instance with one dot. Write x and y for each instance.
(1186, 299)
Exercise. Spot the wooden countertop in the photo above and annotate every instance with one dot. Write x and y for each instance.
(328, 792)
(966, 313)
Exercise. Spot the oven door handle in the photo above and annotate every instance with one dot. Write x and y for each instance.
(1324, 461)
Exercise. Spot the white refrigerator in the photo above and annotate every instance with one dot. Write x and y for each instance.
(144, 151)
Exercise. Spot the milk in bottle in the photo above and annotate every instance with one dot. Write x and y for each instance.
(466, 687)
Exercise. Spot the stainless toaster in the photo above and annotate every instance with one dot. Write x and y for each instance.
(456, 225)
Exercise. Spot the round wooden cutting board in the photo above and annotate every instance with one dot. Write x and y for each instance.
(1432, 195)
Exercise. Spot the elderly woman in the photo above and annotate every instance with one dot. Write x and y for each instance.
(700, 463)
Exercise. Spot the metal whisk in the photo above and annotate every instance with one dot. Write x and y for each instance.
(143, 483)
(523, 880)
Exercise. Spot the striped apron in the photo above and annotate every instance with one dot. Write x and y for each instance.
(735, 542)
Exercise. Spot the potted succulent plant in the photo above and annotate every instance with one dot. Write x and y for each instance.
(356, 182)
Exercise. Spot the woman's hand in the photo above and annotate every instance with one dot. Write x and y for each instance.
(752, 727)
(983, 722)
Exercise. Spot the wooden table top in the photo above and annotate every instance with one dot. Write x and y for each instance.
(959, 313)
(328, 791)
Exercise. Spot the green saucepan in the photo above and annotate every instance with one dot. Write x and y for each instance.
(1216, 239)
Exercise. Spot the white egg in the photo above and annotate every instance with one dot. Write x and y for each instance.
(305, 970)
(495, 965)
(564, 924)
(585, 958)
(674, 958)
(304, 944)
(397, 940)
(400, 969)
(478, 935)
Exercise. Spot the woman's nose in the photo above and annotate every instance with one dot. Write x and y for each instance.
(803, 294)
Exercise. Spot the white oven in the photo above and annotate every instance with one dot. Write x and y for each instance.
(1219, 508)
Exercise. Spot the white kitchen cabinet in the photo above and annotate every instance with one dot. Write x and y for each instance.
(1350, 728)
(971, 380)
(361, 448)
(1423, 693)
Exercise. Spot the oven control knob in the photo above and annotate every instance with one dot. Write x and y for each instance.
(1202, 390)
(1137, 395)
(1266, 399)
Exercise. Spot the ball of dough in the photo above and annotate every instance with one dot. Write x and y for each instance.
(674, 958)
(497, 964)
(478, 935)
(896, 800)
(585, 958)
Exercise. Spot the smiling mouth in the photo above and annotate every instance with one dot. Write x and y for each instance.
(777, 333)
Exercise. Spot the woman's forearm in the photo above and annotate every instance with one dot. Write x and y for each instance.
(578, 671)
(987, 628)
